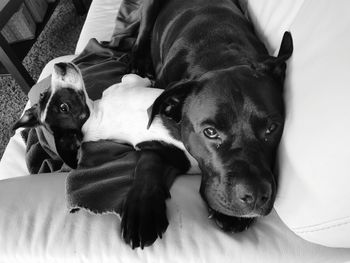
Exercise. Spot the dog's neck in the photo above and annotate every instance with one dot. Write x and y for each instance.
(90, 103)
(91, 126)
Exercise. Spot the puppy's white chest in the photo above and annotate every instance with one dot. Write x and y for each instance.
(121, 115)
(124, 122)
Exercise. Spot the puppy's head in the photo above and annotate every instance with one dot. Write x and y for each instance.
(62, 109)
(231, 121)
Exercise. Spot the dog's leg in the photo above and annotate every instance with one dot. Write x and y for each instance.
(141, 60)
(144, 213)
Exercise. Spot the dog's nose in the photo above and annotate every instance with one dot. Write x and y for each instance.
(253, 195)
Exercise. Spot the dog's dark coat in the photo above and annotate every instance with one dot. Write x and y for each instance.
(223, 99)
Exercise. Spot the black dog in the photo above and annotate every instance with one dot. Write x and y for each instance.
(222, 99)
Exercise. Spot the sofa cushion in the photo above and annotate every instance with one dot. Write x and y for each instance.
(99, 22)
(271, 18)
(313, 198)
(36, 226)
(12, 162)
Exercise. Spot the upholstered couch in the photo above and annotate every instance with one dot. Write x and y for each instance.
(311, 220)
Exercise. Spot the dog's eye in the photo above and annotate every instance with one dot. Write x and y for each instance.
(64, 108)
(211, 133)
(42, 95)
(271, 129)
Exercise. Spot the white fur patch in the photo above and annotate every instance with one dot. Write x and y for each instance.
(121, 115)
(53, 90)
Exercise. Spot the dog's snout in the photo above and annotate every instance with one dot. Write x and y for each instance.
(253, 195)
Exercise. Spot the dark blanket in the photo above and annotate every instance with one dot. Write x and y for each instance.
(103, 178)
(106, 169)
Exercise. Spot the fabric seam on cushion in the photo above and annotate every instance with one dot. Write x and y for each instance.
(319, 227)
(297, 13)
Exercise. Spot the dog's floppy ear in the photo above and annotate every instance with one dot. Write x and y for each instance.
(29, 119)
(170, 102)
(277, 65)
(67, 145)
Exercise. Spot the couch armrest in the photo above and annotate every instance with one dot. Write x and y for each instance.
(99, 22)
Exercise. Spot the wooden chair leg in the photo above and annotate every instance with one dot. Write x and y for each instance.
(15, 67)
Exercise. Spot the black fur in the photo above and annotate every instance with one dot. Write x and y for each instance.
(217, 73)
(170, 154)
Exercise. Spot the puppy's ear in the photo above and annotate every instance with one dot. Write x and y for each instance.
(277, 65)
(170, 102)
(29, 119)
(67, 145)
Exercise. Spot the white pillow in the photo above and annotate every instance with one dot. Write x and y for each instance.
(314, 196)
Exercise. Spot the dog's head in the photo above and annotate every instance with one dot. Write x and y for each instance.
(231, 121)
(62, 109)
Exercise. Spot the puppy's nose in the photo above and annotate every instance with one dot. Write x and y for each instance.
(253, 195)
(60, 68)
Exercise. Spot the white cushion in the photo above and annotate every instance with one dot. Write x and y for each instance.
(99, 22)
(35, 226)
(314, 196)
(271, 18)
(13, 162)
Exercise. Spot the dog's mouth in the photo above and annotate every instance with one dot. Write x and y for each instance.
(216, 207)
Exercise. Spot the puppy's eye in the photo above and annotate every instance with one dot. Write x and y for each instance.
(64, 108)
(42, 95)
(211, 133)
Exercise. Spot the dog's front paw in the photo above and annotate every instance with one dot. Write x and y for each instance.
(231, 223)
(144, 217)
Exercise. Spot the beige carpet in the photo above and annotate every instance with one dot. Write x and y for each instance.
(58, 38)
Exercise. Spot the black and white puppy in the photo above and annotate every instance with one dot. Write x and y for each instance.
(68, 113)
